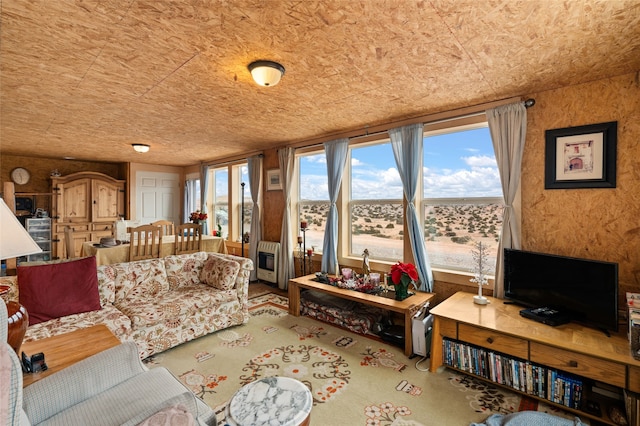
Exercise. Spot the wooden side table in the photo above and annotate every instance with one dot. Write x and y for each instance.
(66, 349)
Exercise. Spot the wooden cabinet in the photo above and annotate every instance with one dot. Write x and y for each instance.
(571, 348)
(88, 202)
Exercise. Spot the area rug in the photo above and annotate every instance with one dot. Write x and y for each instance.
(354, 380)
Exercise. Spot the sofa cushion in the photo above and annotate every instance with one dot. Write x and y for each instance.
(219, 272)
(56, 290)
(109, 315)
(174, 308)
(107, 284)
(184, 269)
(142, 280)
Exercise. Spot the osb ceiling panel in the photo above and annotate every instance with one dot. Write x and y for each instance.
(88, 78)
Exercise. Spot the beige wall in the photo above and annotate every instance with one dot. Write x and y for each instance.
(599, 224)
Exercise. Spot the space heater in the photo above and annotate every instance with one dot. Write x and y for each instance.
(268, 253)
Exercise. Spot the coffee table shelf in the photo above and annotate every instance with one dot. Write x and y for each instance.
(407, 307)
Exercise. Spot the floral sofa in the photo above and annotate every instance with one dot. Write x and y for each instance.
(157, 303)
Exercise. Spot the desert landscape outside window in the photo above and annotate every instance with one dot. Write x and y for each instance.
(462, 196)
(460, 200)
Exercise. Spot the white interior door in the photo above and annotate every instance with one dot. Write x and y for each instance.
(157, 197)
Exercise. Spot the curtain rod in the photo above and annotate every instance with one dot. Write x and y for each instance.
(228, 162)
(434, 118)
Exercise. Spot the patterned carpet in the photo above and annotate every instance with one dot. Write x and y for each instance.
(354, 380)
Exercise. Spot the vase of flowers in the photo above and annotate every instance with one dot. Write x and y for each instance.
(197, 216)
(402, 276)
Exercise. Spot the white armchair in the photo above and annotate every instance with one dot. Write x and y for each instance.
(110, 388)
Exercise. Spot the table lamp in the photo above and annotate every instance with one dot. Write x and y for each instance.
(15, 241)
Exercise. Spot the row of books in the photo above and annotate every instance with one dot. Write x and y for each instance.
(632, 405)
(521, 375)
(633, 303)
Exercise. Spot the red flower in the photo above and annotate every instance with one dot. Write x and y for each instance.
(400, 270)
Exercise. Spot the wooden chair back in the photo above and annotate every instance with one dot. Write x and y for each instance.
(167, 226)
(188, 238)
(144, 242)
(69, 244)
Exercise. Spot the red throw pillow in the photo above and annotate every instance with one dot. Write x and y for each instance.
(57, 290)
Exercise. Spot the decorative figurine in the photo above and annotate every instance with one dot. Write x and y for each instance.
(479, 253)
(365, 263)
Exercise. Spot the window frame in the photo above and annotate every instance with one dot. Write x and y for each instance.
(343, 202)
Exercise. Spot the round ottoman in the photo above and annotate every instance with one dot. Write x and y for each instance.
(274, 401)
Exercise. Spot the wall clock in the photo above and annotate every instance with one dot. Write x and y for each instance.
(20, 175)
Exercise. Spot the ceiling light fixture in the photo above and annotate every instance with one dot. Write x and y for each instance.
(140, 147)
(266, 73)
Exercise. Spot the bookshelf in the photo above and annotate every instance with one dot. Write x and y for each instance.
(570, 366)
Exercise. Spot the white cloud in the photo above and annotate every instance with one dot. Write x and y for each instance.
(319, 158)
(477, 182)
(480, 161)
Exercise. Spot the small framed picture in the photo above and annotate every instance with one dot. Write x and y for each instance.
(273, 180)
(581, 157)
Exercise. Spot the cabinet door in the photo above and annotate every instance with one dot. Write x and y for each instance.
(108, 201)
(73, 201)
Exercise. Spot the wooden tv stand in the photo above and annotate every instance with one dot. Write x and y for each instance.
(571, 348)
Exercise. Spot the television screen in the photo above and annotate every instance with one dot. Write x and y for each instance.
(585, 290)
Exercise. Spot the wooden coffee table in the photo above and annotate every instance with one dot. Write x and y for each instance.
(66, 349)
(407, 307)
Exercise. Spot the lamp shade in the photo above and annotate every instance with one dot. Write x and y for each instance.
(266, 73)
(15, 241)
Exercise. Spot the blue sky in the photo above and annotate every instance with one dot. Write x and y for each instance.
(456, 165)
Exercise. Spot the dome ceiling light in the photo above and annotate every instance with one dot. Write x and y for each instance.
(140, 147)
(266, 73)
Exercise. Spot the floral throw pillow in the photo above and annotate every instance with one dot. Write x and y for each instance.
(219, 272)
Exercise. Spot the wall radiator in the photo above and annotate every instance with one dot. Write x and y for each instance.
(268, 254)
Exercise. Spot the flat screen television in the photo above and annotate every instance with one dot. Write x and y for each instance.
(584, 290)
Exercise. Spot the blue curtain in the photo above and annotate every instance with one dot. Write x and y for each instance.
(336, 152)
(204, 192)
(254, 166)
(407, 146)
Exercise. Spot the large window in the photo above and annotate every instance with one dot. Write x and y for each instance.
(242, 173)
(224, 200)
(375, 204)
(459, 199)
(462, 201)
(219, 220)
(313, 198)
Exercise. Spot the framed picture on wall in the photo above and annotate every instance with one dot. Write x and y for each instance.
(581, 157)
(273, 180)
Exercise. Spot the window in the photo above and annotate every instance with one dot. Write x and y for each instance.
(460, 198)
(375, 204)
(219, 220)
(242, 173)
(224, 200)
(313, 198)
(462, 201)
(191, 196)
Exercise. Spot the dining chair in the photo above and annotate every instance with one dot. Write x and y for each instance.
(188, 238)
(167, 226)
(144, 242)
(69, 244)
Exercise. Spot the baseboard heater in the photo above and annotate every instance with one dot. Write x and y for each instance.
(268, 254)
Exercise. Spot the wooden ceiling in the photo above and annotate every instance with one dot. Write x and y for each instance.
(87, 78)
